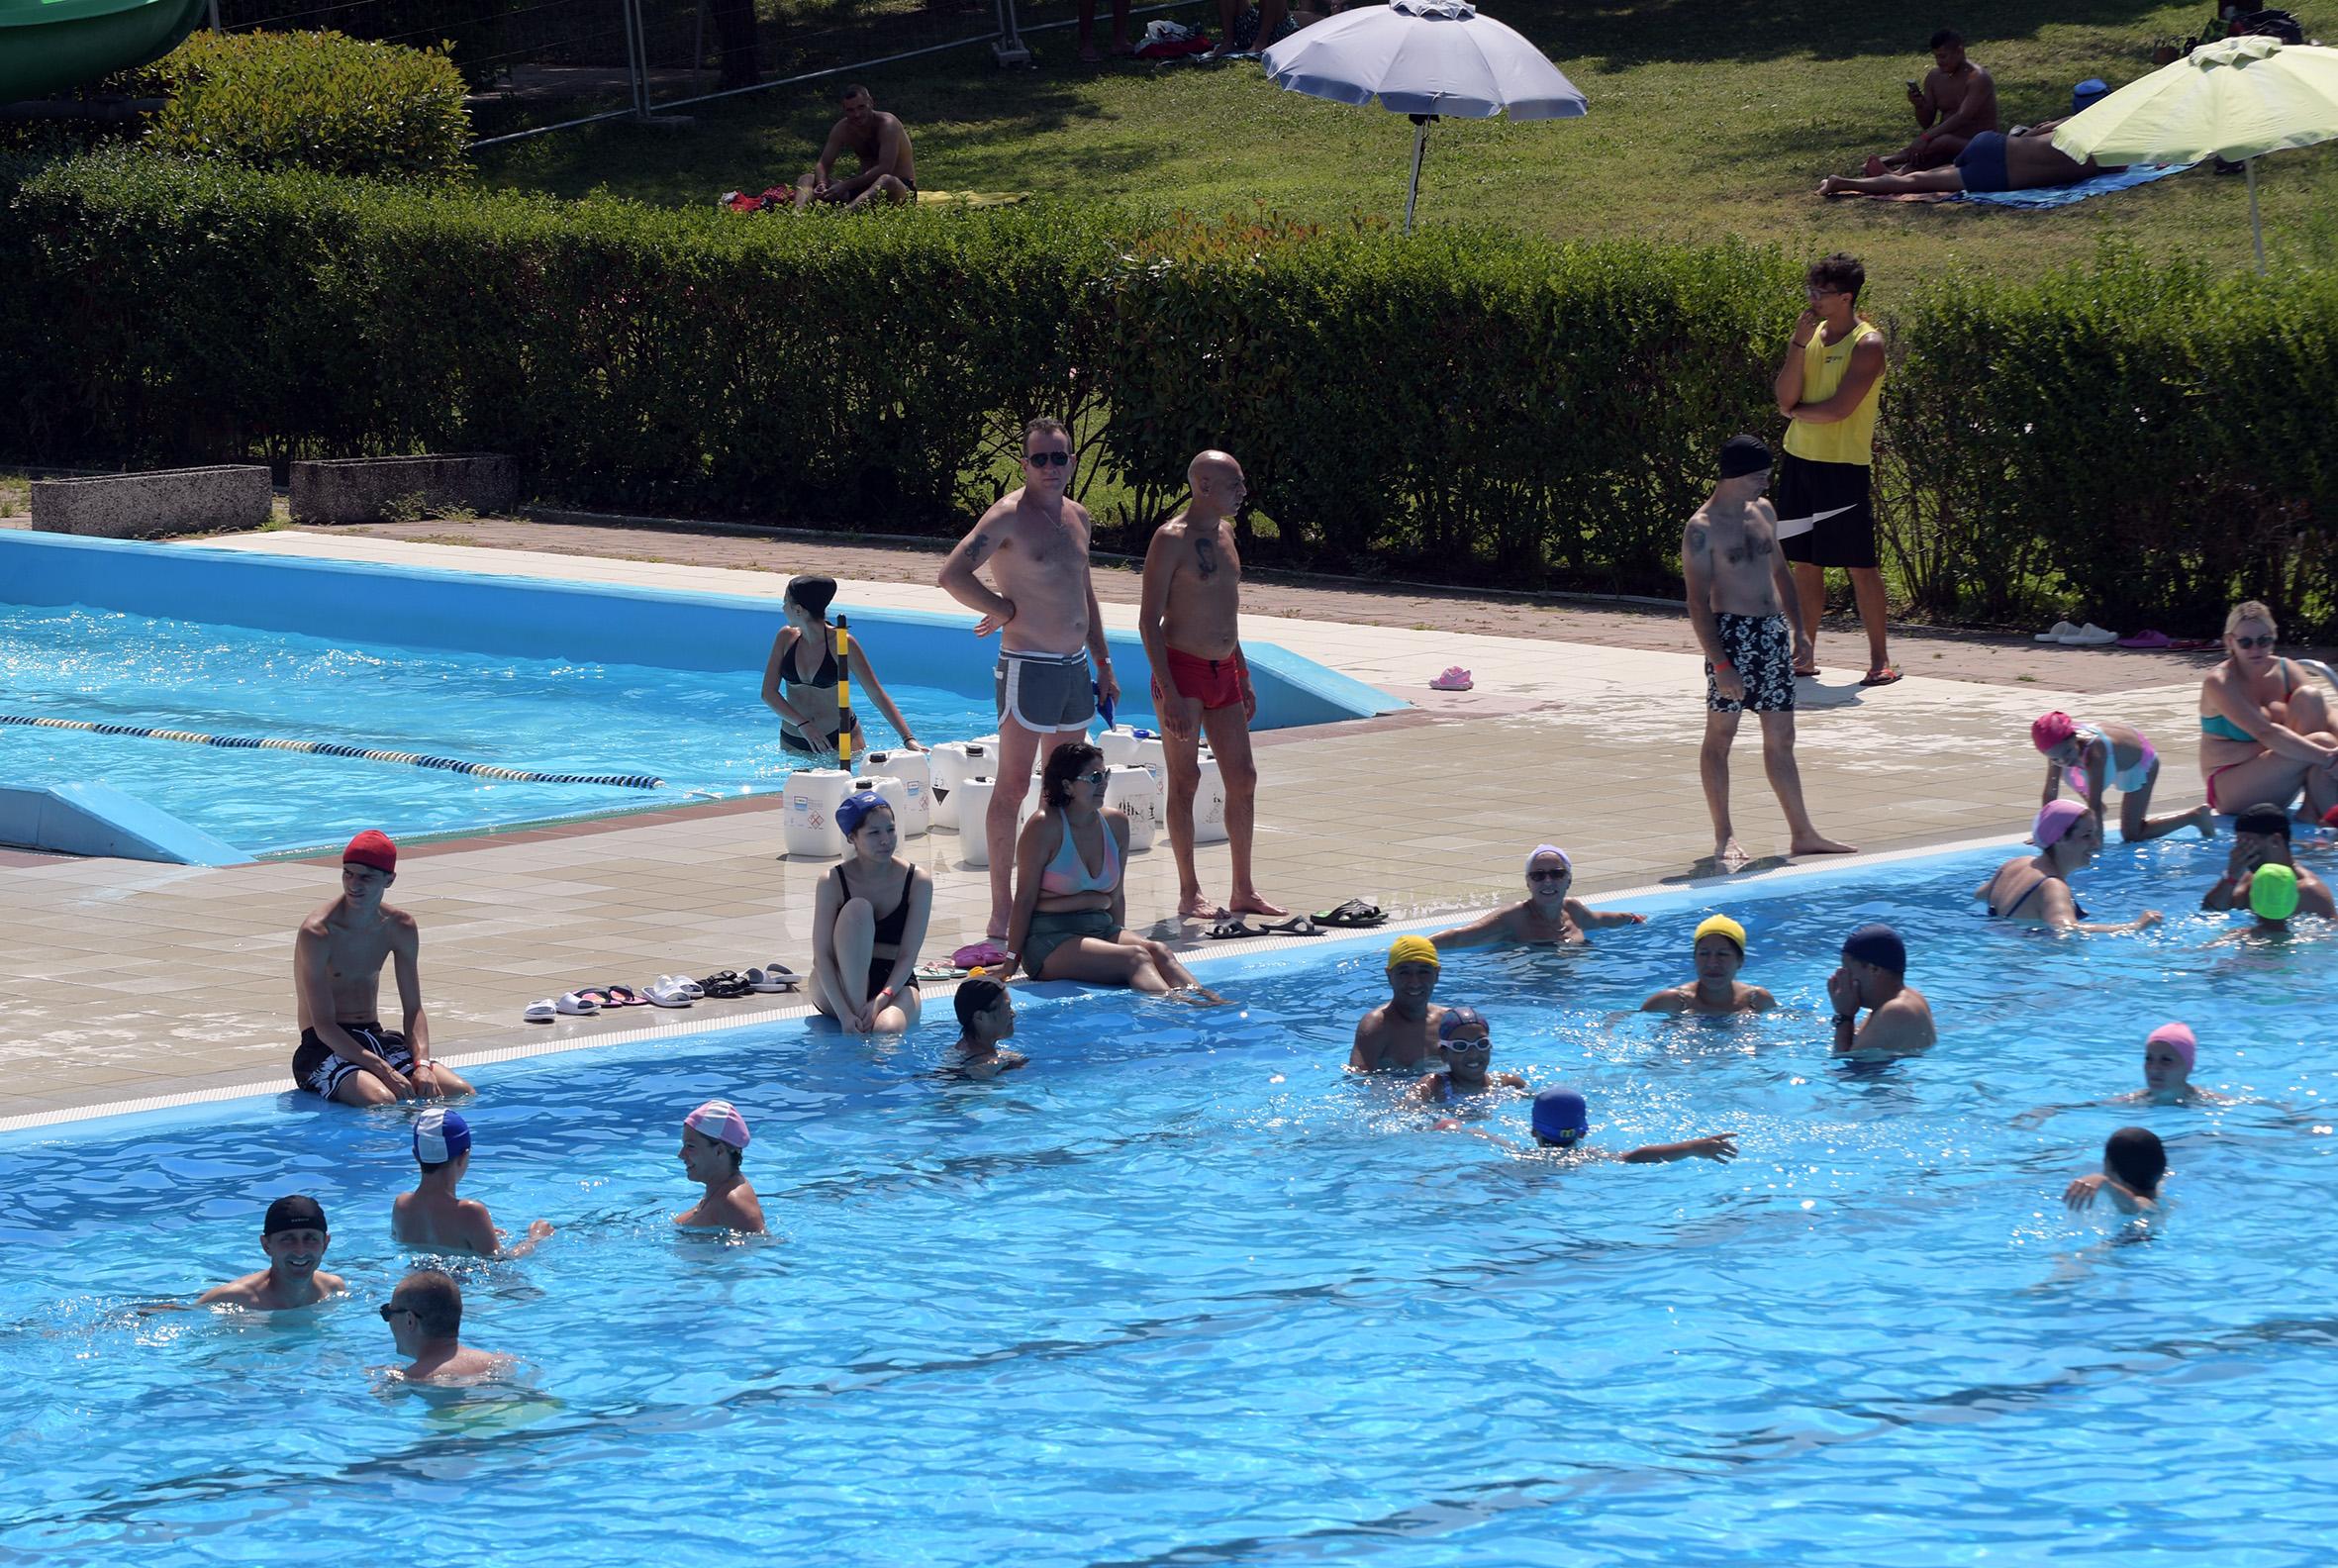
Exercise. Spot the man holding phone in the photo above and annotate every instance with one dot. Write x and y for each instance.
(1956, 102)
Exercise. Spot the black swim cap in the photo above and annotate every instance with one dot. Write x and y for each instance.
(976, 995)
(293, 1211)
(1742, 456)
(1879, 944)
(2137, 1157)
(813, 593)
(2270, 819)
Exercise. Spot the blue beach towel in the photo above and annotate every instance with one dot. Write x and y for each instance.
(2128, 179)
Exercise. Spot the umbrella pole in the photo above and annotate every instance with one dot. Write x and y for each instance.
(1421, 145)
(2256, 229)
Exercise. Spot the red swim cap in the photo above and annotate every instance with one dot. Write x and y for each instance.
(372, 848)
(2052, 730)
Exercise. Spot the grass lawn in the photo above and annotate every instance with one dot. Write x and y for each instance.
(1707, 117)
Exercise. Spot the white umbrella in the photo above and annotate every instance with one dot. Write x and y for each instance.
(1424, 59)
(2237, 99)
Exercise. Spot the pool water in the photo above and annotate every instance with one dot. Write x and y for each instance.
(700, 733)
(1184, 1292)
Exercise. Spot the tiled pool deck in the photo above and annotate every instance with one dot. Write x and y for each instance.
(129, 982)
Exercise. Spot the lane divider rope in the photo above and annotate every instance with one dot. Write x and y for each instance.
(333, 749)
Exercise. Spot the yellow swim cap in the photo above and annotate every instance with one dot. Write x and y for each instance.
(2273, 892)
(1726, 926)
(1413, 950)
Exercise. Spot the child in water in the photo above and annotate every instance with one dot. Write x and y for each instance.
(1562, 1121)
(2099, 758)
(986, 1016)
(1465, 1047)
(713, 1143)
(2134, 1162)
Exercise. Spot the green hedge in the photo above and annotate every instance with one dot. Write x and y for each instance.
(312, 100)
(2135, 445)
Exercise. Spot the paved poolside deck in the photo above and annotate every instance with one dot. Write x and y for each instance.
(131, 982)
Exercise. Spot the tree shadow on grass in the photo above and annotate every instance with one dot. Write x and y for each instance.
(1626, 33)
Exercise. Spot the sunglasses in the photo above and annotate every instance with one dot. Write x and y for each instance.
(2265, 642)
(389, 1309)
(1047, 459)
(1093, 776)
(1559, 875)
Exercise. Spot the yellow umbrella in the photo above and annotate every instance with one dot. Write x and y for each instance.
(2235, 99)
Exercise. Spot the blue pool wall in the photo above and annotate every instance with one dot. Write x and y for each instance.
(535, 618)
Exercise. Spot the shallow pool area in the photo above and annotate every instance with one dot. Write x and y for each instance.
(1183, 1291)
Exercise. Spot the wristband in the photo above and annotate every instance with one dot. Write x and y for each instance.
(1723, 664)
(1846, 1017)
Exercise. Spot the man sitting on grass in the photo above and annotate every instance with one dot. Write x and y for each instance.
(1955, 103)
(888, 171)
(2025, 160)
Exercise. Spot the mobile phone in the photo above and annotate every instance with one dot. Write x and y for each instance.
(1911, 86)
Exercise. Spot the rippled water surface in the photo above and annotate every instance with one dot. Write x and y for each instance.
(698, 732)
(1184, 1292)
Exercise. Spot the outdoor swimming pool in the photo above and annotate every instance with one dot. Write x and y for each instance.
(1184, 1292)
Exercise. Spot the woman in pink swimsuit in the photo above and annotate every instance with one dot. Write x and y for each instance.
(2264, 732)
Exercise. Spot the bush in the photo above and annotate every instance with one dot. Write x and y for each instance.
(2137, 445)
(312, 100)
(477, 35)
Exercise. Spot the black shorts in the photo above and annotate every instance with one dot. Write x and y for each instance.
(1762, 651)
(881, 971)
(1825, 512)
(318, 1070)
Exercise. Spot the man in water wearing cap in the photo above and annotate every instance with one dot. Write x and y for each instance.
(1190, 622)
(345, 1053)
(713, 1141)
(425, 1314)
(1547, 914)
(2261, 838)
(1874, 975)
(1402, 1033)
(1716, 992)
(986, 1016)
(1562, 1121)
(294, 1238)
(1739, 588)
(432, 1218)
(1036, 542)
(1465, 1048)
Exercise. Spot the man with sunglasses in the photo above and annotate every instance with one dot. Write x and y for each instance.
(425, 1314)
(1035, 543)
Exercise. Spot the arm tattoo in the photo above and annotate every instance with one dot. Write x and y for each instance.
(979, 551)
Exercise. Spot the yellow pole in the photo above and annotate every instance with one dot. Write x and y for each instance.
(843, 696)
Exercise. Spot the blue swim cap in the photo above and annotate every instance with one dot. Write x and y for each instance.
(1560, 1116)
(855, 806)
(1457, 1018)
(439, 1136)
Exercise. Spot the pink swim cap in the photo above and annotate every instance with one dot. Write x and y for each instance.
(2051, 731)
(2178, 1037)
(718, 1119)
(2055, 823)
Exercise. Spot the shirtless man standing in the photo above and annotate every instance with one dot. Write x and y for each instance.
(1192, 586)
(1956, 102)
(294, 1238)
(1738, 589)
(1045, 608)
(345, 1053)
(888, 172)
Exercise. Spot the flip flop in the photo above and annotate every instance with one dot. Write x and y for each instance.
(2090, 635)
(1883, 677)
(622, 996)
(1230, 929)
(665, 994)
(773, 978)
(595, 995)
(576, 1005)
(725, 985)
(1808, 674)
(543, 1012)
(1455, 678)
(1353, 915)
(2059, 631)
(1295, 925)
(939, 973)
(2147, 639)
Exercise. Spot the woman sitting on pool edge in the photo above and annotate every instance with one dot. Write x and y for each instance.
(863, 964)
(2037, 887)
(1545, 916)
(805, 698)
(2265, 732)
(1070, 889)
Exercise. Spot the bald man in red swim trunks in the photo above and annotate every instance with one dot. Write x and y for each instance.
(1192, 602)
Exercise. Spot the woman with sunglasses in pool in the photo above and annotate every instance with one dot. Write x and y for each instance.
(1070, 889)
(1545, 916)
(2265, 731)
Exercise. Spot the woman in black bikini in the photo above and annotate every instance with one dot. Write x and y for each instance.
(2036, 888)
(868, 921)
(800, 678)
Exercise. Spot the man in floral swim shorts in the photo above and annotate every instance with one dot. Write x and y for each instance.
(1740, 586)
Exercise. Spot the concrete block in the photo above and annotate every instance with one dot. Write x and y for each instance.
(228, 497)
(362, 489)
